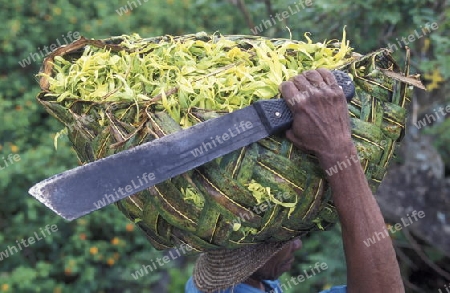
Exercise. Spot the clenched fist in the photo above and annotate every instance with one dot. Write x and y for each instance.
(321, 122)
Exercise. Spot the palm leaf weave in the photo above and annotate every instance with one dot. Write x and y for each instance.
(167, 215)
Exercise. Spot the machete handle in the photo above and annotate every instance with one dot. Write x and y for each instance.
(346, 84)
(276, 115)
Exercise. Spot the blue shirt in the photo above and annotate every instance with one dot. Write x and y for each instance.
(271, 287)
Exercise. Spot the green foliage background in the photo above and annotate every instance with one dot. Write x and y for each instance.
(98, 252)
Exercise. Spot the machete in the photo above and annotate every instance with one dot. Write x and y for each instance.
(92, 186)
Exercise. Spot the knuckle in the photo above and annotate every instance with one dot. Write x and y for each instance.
(313, 75)
(299, 81)
(315, 92)
(329, 92)
(283, 84)
(324, 71)
(336, 89)
(287, 89)
(322, 85)
(311, 72)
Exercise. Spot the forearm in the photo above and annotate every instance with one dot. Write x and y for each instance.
(371, 268)
(321, 126)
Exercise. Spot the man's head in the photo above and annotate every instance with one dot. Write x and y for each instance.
(223, 268)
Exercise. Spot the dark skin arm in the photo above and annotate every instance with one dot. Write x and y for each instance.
(321, 126)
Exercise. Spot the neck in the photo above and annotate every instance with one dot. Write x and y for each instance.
(254, 283)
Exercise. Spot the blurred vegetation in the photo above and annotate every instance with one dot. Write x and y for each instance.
(441, 140)
(98, 252)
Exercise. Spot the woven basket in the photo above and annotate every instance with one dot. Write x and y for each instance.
(230, 215)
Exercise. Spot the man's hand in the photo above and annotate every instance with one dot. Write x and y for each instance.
(321, 123)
